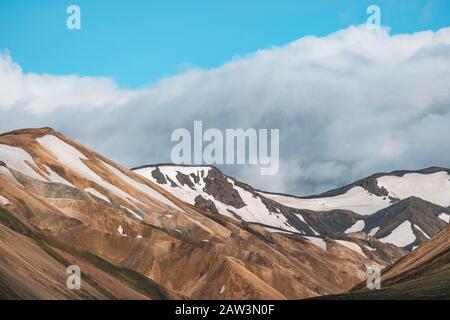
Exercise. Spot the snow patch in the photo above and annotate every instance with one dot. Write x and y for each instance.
(401, 236)
(374, 231)
(184, 193)
(444, 216)
(434, 187)
(4, 201)
(357, 199)
(352, 246)
(423, 232)
(18, 159)
(140, 186)
(120, 230)
(304, 221)
(71, 157)
(254, 212)
(222, 290)
(358, 226)
(317, 241)
(8, 174)
(56, 178)
(15, 158)
(370, 248)
(273, 230)
(97, 194)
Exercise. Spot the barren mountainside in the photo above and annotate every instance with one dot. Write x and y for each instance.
(403, 208)
(62, 204)
(422, 274)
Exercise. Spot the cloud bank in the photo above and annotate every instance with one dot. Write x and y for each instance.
(347, 105)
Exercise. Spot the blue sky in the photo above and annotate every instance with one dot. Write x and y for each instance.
(138, 42)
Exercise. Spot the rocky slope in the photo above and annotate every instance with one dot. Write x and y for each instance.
(404, 208)
(62, 204)
(422, 274)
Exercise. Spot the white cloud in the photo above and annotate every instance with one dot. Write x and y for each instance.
(347, 105)
(44, 93)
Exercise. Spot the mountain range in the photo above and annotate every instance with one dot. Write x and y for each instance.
(422, 274)
(404, 208)
(185, 232)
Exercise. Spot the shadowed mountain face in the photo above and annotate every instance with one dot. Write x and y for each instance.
(422, 217)
(62, 204)
(421, 274)
(403, 208)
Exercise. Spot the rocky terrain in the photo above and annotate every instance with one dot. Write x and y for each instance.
(421, 274)
(403, 208)
(135, 238)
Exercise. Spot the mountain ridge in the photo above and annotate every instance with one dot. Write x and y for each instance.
(328, 193)
(119, 227)
(188, 182)
(421, 274)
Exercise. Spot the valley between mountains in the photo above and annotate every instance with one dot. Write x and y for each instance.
(188, 232)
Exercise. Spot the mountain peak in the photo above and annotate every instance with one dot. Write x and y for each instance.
(32, 131)
(171, 164)
(108, 219)
(52, 183)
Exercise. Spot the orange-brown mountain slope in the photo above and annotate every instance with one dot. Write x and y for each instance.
(63, 204)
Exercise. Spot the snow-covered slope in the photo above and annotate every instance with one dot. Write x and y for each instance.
(444, 217)
(407, 223)
(362, 206)
(197, 185)
(106, 218)
(358, 226)
(84, 169)
(432, 187)
(357, 199)
(401, 236)
(3, 201)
